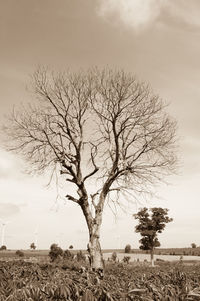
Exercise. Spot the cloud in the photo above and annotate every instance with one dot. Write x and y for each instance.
(184, 11)
(138, 14)
(133, 13)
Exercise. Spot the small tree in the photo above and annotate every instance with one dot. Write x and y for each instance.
(127, 249)
(193, 245)
(150, 224)
(3, 248)
(32, 246)
(71, 247)
(55, 252)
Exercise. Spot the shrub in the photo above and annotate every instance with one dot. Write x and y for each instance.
(126, 259)
(55, 253)
(19, 253)
(114, 256)
(127, 249)
(80, 256)
(71, 247)
(68, 255)
(71, 265)
(3, 248)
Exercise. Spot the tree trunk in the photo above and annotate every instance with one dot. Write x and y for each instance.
(95, 253)
(152, 257)
(94, 247)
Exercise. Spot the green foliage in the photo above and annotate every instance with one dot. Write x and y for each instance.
(55, 253)
(19, 253)
(2, 248)
(127, 249)
(150, 224)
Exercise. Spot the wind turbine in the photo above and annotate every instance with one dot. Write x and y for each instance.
(3, 225)
(36, 236)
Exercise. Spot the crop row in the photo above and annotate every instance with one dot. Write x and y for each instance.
(22, 281)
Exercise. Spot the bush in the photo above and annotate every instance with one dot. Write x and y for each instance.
(68, 255)
(114, 256)
(127, 249)
(55, 253)
(126, 259)
(3, 248)
(80, 256)
(19, 253)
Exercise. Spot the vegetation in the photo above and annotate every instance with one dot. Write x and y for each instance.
(104, 117)
(114, 257)
(19, 253)
(80, 256)
(193, 245)
(3, 248)
(127, 249)
(55, 252)
(149, 225)
(26, 281)
(32, 246)
(126, 259)
(68, 255)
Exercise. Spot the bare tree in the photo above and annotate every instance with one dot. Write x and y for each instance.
(100, 125)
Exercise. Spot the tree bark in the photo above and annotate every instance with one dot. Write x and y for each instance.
(152, 257)
(95, 253)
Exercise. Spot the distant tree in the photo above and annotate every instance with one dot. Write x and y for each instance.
(32, 246)
(193, 245)
(19, 253)
(55, 252)
(71, 247)
(127, 249)
(100, 125)
(150, 223)
(3, 248)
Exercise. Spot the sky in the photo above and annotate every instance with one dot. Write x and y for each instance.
(159, 42)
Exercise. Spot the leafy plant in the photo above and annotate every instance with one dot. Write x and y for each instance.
(55, 253)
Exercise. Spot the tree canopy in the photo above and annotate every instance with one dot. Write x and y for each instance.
(105, 132)
(150, 223)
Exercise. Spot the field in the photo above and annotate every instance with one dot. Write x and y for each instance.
(146, 257)
(188, 254)
(23, 281)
